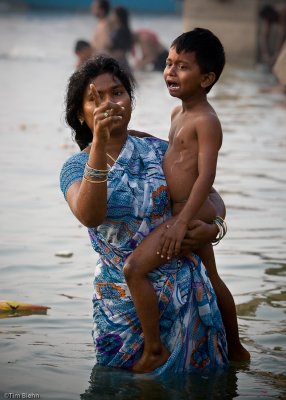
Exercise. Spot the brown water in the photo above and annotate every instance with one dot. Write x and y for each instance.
(52, 355)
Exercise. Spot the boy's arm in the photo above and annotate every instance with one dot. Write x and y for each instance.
(209, 137)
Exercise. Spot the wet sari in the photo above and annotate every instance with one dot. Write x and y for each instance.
(190, 322)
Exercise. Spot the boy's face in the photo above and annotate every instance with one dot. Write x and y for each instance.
(84, 54)
(182, 74)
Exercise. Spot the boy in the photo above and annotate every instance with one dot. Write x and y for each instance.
(195, 62)
(83, 51)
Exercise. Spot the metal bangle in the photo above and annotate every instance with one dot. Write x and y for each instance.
(221, 224)
(89, 180)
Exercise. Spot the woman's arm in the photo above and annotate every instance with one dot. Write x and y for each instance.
(88, 198)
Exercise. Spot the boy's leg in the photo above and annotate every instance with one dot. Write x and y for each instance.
(143, 260)
(236, 351)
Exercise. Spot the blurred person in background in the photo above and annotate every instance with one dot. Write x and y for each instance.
(83, 51)
(272, 31)
(152, 53)
(120, 36)
(101, 37)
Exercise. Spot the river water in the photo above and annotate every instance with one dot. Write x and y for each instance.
(52, 355)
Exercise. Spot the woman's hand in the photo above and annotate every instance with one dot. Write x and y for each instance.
(198, 234)
(104, 115)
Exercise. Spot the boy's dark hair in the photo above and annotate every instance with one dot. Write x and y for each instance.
(76, 88)
(80, 45)
(269, 13)
(207, 47)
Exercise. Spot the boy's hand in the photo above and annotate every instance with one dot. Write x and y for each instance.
(171, 240)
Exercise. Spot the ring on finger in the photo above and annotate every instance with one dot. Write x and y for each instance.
(106, 114)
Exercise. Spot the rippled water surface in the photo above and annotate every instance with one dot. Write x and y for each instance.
(52, 355)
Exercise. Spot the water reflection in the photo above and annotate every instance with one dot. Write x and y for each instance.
(106, 383)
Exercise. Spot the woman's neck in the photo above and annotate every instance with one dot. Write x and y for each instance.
(116, 142)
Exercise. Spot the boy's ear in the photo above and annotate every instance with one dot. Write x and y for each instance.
(208, 79)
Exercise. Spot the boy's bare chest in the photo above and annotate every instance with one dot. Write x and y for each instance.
(182, 134)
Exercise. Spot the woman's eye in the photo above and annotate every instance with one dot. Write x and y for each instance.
(118, 93)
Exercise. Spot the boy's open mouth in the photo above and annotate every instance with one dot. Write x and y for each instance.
(172, 85)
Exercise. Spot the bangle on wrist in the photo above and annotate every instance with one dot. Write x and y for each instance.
(93, 173)
(222, 229)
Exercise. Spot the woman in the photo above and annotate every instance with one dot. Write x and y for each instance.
(121, 38)
(115, 186)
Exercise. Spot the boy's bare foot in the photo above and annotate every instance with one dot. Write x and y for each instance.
(151, 360)
(238, 354)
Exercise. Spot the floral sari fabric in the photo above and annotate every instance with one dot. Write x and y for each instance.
(190, 321)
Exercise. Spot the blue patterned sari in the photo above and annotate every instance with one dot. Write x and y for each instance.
(190, 321)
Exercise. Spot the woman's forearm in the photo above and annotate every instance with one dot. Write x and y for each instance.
(88, 198)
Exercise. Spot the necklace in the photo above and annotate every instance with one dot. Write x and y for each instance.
(108, 155)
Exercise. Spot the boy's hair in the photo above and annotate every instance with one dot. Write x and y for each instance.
(80, 45)
(207, 47)
(269, 13)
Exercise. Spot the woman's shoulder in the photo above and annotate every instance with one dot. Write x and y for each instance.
(72, 170)
(78, 158)
(158, 144)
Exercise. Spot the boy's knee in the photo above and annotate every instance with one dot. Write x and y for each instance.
(130, 269)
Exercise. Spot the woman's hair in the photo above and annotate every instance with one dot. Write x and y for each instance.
(207, 47)
(122, 38)
(122, 15)
(76, 88)
(269, 13)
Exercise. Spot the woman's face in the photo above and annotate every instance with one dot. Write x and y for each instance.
(110, 89)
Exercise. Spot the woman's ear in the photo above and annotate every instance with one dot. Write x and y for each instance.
(208, 79)
(80, 118)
